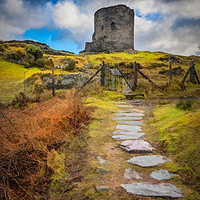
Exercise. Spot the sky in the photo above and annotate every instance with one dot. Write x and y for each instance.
(172, 26)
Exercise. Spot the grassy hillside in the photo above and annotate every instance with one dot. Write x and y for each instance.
(12, 76)
(152, 65)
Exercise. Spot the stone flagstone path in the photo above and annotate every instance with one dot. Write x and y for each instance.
(128, 129)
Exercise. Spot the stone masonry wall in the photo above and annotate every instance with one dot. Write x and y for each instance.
(113, 30)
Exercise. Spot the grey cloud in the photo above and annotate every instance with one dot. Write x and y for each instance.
(186, 22)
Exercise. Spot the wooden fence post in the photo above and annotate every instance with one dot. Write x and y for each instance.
(135, 76)
(53, 82)
(103, 74)
(170, 71)
(192, 74)
(51, 65)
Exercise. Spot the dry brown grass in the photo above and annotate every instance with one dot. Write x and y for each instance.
(28, 135)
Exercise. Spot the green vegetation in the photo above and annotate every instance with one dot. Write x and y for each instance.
(69, 64)
(143, 57)
(34, 57)
(34, 51)
(185, 104)
(178, 133)
(12, 76)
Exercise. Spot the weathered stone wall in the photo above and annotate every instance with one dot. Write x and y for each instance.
(113, 30)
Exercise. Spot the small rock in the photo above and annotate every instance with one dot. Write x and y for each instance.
(101, 160)
(131, 174)
(102, 171)
(166, 190)
(162, 175)
(147, 161)
(102, 188)
(136, 146)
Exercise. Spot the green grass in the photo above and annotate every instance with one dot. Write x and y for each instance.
(143, 57)
(12, 76)
(178, 132)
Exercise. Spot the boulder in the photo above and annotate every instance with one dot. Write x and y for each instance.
(66, 81)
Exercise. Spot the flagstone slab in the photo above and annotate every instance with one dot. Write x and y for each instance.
(136, 146)
(127, 118)
(162, 174)
(132, 114)
(128, 136)
(122, 111)
(132, 123)
(122, 132)
(166, 190)
(128, 127)
(148, 161)
(124, 106)
(131, 174)
(137, 110)
(135, 101)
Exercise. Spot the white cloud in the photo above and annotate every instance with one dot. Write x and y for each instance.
(162, 34)
(67, 15)
(16, 18)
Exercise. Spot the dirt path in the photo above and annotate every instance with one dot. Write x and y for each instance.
(120, 163)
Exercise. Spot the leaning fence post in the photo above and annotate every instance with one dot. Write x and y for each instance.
(135, 76)
(192, 74)
(103, 74)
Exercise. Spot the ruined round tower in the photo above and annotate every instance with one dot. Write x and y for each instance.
(113, 30)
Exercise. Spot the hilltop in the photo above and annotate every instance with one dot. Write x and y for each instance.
(44, 47)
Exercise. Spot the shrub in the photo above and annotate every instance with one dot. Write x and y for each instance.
(40, 63)
(34, 57)
(36, 52)
(5, 46)
(1, 48)
(185, 104)
(32, 135)
(69, 64)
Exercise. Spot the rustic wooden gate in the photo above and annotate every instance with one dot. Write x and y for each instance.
(118, 76)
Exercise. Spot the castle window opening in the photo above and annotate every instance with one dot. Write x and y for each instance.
(112, 25)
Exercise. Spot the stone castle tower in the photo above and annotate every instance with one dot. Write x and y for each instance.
(113, 30)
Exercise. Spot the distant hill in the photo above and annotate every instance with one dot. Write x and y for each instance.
(44, 47)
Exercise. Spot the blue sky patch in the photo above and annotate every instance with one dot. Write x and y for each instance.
(153, 16)
(50, 37)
